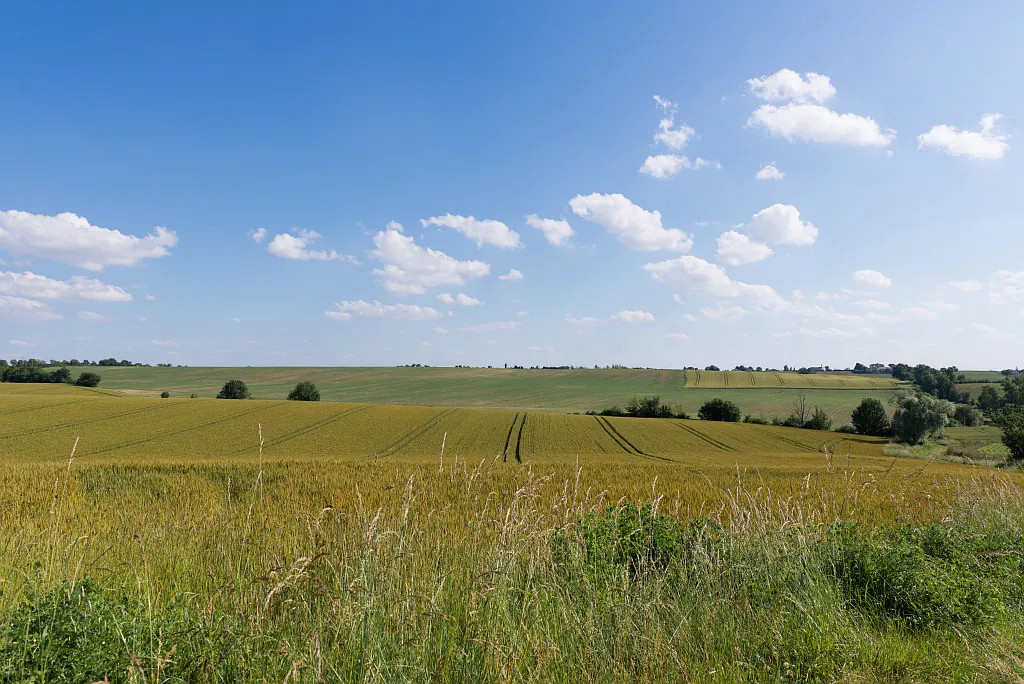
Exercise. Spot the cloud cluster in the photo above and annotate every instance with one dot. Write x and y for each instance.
(413, 312)
(634, 226)
(983, 144)
(24, 309)
(671, 136)
(35, 286)
(70, 239)
(483, 232)
(779, 224)
(557, 232)
(770, 172)
(411, 269)
(664, 166)
(296, 246)
(803, 115)
(460, 299)
(872, 279)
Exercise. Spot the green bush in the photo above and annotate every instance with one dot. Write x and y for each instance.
(233, 389)
(919, 415)
(870, 418)
(719, 409)
(819, 420)
(305, 390)
(88, 380)
(165, 394)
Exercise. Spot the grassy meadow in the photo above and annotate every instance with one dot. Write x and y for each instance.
(206, 540)
(769, 394)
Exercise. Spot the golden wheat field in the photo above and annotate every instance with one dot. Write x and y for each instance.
(764, 379)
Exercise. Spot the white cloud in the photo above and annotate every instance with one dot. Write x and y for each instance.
(966, 285)
(781, 224)
(165, 343)
(667, 165)
(634, 226)
(983, 144)
(770, 172)
(150, 298)
(541, 349)
(491, 327)
(36, 286)
(677, 336)
(872, 304)
(986, 330)
(787, 85)
(349, 308)
(258, 235)
(296, 246)
(20, 343)
(872, 279)
(557, 232)
(823, 333)
(736, 249)
(94, 316)
(929, 310)
(236, 319)
(411, 269)
(522, 313)
(460, 299)
(628, 316)
(585, 320)
(1006, 285)
(817, 123)
(689, 317)
(71, 239)
(724, 313)
(699, 275)
(672, 136)
(441, 331)
(512, 275)
(481, 232)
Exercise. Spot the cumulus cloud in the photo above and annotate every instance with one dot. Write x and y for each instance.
(460, 299)
(296, 246)
(872, 279)
(667, 165)
(724, 313)
(1006, 285)
(94, 316)
(413, 312)
(736, 249)
(479, 231)
(513, 275)
(983, 144)
(634, 226)
(258, 235)
(23, 309)
(411, 269)
(557, 232)
(71, 239)
(804, 117)
(672, 136)
(770, 172)
(492, 327)
(34, 286)
(704, 277)
(628, 316)
(780, 224)
(786, 85)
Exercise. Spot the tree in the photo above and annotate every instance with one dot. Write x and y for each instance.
(989, 400)
(719, 409)
(88, 379)
(1013, 392)
(233, 389)
(870, 418)
(304, 390)
(819, 420)
(1013, 433)
(800, 409)
(711, 368)
(165, 394)
(919, 415)
(61, 375)
(968, 416)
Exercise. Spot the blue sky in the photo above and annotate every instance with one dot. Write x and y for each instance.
(318, 185)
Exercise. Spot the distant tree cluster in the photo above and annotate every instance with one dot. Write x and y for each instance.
(644, 407)
(34, 370)
(939, 382)
(304, 390)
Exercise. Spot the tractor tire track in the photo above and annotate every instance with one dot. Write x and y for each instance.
(625, 443)
(180, 431)
(88, 421)
(519, 439)
(782, 383)
(787, 440)
(303, 431)
(508, 438)
(415, 434)
(705, 438)
(40, 408)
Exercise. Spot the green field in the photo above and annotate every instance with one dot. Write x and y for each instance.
(520, 390)
(785, 380)
(158, 540)
(982, 376)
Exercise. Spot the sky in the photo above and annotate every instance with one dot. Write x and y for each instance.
(657, 184)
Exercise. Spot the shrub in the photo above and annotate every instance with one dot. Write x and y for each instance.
(614, 411)
(847, 429)
(88, 380)
(305, 390)
(165, 394)
(755, 420)
(919, 415)
(1012, 424)
(233, 389)
(967, 416)
(819, 420)
(62, 374)
(870, 418)
(719, 409)
(193, 396)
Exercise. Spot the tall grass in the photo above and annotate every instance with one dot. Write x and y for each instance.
(328, 571)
